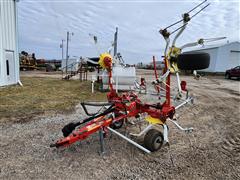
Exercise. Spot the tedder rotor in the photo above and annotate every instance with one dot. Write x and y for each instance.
(121, 107)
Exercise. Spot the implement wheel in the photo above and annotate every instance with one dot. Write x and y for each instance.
(227, 76)
(153, 140)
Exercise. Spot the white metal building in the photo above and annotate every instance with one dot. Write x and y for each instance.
(9, 57)
(222, 57)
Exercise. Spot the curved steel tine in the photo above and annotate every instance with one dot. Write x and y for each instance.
(174, 24)
(196, 6)
(188, 13)
(214, 39)
(177, 29)
(200, 10)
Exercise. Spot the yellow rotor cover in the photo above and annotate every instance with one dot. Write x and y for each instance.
(173, 52)
(105, 60)
(152, 120)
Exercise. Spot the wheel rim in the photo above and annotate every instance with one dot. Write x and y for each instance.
(157, 142)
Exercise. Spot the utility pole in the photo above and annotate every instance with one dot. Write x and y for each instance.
(61, 46)
(67, 56)
(115, 42)
(67, 52)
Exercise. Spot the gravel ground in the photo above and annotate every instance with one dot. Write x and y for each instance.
(211, 151)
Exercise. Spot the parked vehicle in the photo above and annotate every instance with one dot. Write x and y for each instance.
(234, 72)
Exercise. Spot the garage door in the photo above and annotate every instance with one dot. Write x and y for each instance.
(234, 59)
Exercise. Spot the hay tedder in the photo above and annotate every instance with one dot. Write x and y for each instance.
(121, 107)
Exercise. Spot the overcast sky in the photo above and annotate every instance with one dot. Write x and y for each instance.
(42, 25)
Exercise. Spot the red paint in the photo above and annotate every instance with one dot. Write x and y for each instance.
(127, 102)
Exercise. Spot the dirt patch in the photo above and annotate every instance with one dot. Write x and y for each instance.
(211, 151)
(237, 93)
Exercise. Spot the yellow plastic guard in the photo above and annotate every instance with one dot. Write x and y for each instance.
(101, 59)
(174, 52)
(174, 67)
(153, 120)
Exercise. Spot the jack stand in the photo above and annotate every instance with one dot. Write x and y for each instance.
(102, 147)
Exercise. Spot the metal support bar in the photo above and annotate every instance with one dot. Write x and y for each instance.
(165, 133)
(183, 103)
(180, 127)
(129, 140)
(143, 131)
(164, 76)
(179, 83)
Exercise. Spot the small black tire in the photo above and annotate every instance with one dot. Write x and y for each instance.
(193, 61)
(227, 76)
(153, 140)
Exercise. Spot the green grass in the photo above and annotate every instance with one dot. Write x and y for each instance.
(43, 95)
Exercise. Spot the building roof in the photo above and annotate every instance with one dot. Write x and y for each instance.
(212, 46)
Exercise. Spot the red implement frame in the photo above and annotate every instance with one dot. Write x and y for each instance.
(127, 102)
